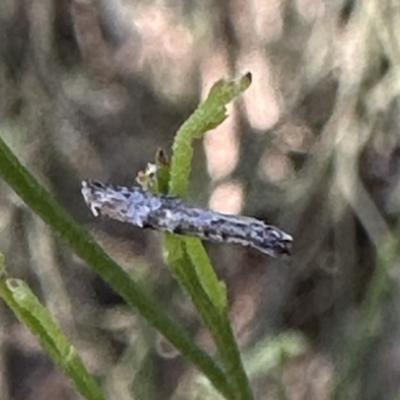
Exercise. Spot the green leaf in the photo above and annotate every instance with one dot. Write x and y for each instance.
(209, 114)
(35, 316)
(215, 289)
(186, 256)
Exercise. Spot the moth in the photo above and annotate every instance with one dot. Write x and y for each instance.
(144, 209)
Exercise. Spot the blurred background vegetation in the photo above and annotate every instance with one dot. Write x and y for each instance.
(90, 89)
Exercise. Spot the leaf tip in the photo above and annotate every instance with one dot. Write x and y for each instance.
(248, 77)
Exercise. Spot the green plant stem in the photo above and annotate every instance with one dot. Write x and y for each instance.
(40, 201)
(216, 320)
(187, 257)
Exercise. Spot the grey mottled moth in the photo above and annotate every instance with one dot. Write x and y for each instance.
(144, 209)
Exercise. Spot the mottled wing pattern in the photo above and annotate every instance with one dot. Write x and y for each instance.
(147, 210)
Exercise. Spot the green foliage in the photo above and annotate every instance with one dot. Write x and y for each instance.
(210, 114)
(36, 317)
(40, 201)
(185, 256)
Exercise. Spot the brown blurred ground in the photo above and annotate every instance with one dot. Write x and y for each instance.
(92, 89)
